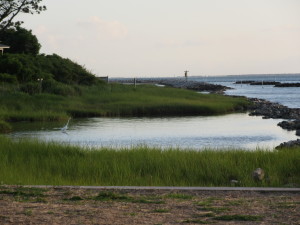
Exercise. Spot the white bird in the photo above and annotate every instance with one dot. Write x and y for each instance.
(64, 129)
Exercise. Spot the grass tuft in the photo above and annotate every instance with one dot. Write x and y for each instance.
(161, 210)
(238, 218)
(111, 196)
(74, 198)
(179, 196)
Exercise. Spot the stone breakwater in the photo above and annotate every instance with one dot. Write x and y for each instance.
(194, 85)
(288, 85)
(267, 110)
(274, 83)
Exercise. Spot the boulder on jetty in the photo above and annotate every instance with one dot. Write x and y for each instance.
(288, 85)
(289, 144)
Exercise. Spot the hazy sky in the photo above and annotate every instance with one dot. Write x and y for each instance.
(135, 38)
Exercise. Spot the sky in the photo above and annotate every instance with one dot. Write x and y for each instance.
(142, 38)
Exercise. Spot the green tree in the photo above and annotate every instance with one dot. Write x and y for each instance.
(9, 9)
(20, 40)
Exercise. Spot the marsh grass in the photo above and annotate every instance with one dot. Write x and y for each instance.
(31, 162)
(113, 100)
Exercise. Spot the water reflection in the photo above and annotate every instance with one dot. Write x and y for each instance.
(235, 130)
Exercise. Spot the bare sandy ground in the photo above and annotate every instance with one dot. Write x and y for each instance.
(23, 205)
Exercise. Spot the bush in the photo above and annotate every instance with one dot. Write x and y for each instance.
(28, 68)
(31, 88)
(5, 77)
(4, 127)
(53, 87)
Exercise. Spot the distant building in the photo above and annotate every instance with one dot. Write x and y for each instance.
(2, 47)
(103, 78)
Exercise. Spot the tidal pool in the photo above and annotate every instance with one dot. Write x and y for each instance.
(197, 132)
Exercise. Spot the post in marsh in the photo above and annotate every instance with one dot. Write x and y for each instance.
(186, 75)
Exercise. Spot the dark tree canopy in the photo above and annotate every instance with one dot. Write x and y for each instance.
(20, 40)
(9, 9)
(29, 68)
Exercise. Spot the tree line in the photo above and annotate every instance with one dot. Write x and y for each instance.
(24, 65)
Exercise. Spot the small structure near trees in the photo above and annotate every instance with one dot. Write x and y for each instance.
(2, 47)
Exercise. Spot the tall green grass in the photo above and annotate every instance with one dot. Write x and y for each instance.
(33, 162)
(114, 100)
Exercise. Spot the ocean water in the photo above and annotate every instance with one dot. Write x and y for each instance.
(288, 96)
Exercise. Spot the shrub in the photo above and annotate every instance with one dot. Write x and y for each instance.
(29, 68)
(31, 88)
(4, 127)
(5, 77)
(54, 87)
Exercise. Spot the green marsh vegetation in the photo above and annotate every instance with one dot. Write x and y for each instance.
(39, 87)
(114, 100)
(29, 162)
(111, 100)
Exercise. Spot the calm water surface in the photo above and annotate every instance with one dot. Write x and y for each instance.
(235, 130)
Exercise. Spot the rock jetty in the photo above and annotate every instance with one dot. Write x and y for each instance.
(288, 85)
(194, 85)
(252, 82)
(177, 83)
(264, 83)
(267, 109)
(275, 83)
